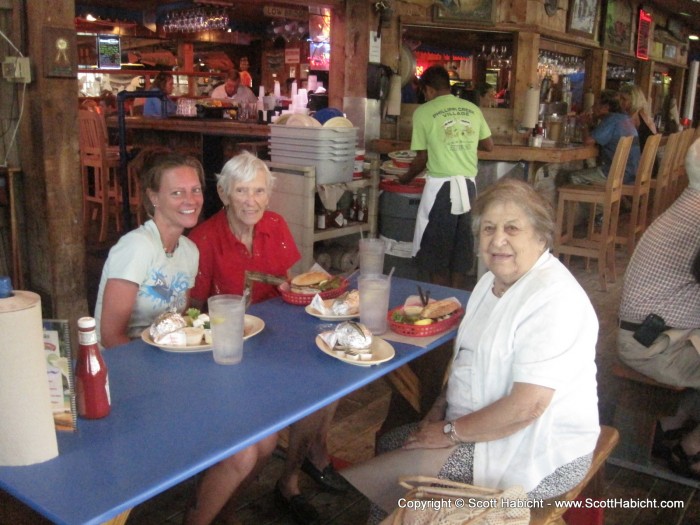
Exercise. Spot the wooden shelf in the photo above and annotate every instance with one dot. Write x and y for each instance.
(294, 199)
(150, 72)
(350, 229)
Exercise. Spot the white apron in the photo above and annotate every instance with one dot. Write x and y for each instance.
(459, 197)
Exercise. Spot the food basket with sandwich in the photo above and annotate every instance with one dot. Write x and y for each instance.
(422, 317)
(302, 288)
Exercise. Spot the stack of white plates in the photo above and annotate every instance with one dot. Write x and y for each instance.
(398, 163)
(390, 168)
(329, 148)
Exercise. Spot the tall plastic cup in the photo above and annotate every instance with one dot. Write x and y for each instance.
(374, 301)
(227, 314)
(372, 256)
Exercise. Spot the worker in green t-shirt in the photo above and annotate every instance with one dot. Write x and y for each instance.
(447, 131)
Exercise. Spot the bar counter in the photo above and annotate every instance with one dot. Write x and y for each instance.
(534, 157)
(211, 140)
(205, 126)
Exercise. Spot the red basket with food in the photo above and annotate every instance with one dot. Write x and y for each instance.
(436, 318)
(302, 289)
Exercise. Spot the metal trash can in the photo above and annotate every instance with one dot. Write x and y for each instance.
(398, 208)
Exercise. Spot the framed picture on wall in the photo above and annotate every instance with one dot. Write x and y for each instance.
(483, 11)
(60, 53)
(583, 17)
(619, 22)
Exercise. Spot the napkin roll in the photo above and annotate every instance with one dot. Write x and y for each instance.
(27, 432)
(532, 108)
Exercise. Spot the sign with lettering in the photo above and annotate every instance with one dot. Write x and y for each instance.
(108, 52)
(643, 35)
(292, 13)
(292, 56)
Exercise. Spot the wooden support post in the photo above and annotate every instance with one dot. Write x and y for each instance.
(526, 53)
(50, 163)
(185, 53)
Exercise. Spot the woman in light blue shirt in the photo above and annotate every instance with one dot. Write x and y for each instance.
(153, 105)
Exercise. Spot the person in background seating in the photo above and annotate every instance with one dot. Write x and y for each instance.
(246, 79)
(233, 89)
(634, 103)
(663, 279)
(153, 106)
(612, 123)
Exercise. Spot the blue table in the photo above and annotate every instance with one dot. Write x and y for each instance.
(174, 415)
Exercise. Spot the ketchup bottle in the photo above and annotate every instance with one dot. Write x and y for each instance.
(91, 379)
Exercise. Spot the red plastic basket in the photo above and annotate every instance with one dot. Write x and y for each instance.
(427, 330)
(393, 186)
(302, 299)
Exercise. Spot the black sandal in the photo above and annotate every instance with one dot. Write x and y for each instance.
(681, 463)
(665, 440)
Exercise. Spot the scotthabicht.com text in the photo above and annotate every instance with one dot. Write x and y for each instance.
(588, 503)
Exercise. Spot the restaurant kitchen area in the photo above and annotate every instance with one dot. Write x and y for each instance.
(527, 64)
(491, 62)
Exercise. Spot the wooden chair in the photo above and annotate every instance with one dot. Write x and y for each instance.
(640, 402)
(409, 385)
(550, 513)
(659, 185)
(134, 185)
(99, 169)
(596, 244)
(677, 180)
(639, 191)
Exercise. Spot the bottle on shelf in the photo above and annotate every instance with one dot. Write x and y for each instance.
(321, 219)
(91, 376)
(537, 134)
(354, 207)
(337, 219)
(362, 213)
(321, 214)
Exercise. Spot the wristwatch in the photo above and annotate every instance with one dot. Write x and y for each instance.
(451, 431)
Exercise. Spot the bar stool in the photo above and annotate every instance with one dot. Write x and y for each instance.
(99, 169)
(596, 244)
(639, 191)
(659, 185)
(677, 181)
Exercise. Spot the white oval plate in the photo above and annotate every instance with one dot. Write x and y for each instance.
(381, 352)
(404, 155)
(389, 167)
(315, 313)
(305, 121)
(337, 122)
(252, 326)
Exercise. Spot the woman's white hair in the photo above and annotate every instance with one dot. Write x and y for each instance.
(244, 167)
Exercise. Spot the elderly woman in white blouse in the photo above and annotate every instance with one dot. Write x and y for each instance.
(520, 405)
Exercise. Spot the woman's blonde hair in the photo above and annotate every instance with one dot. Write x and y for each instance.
(538, 210)
(637, 99)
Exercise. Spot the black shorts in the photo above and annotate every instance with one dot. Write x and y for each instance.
(447, 245)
